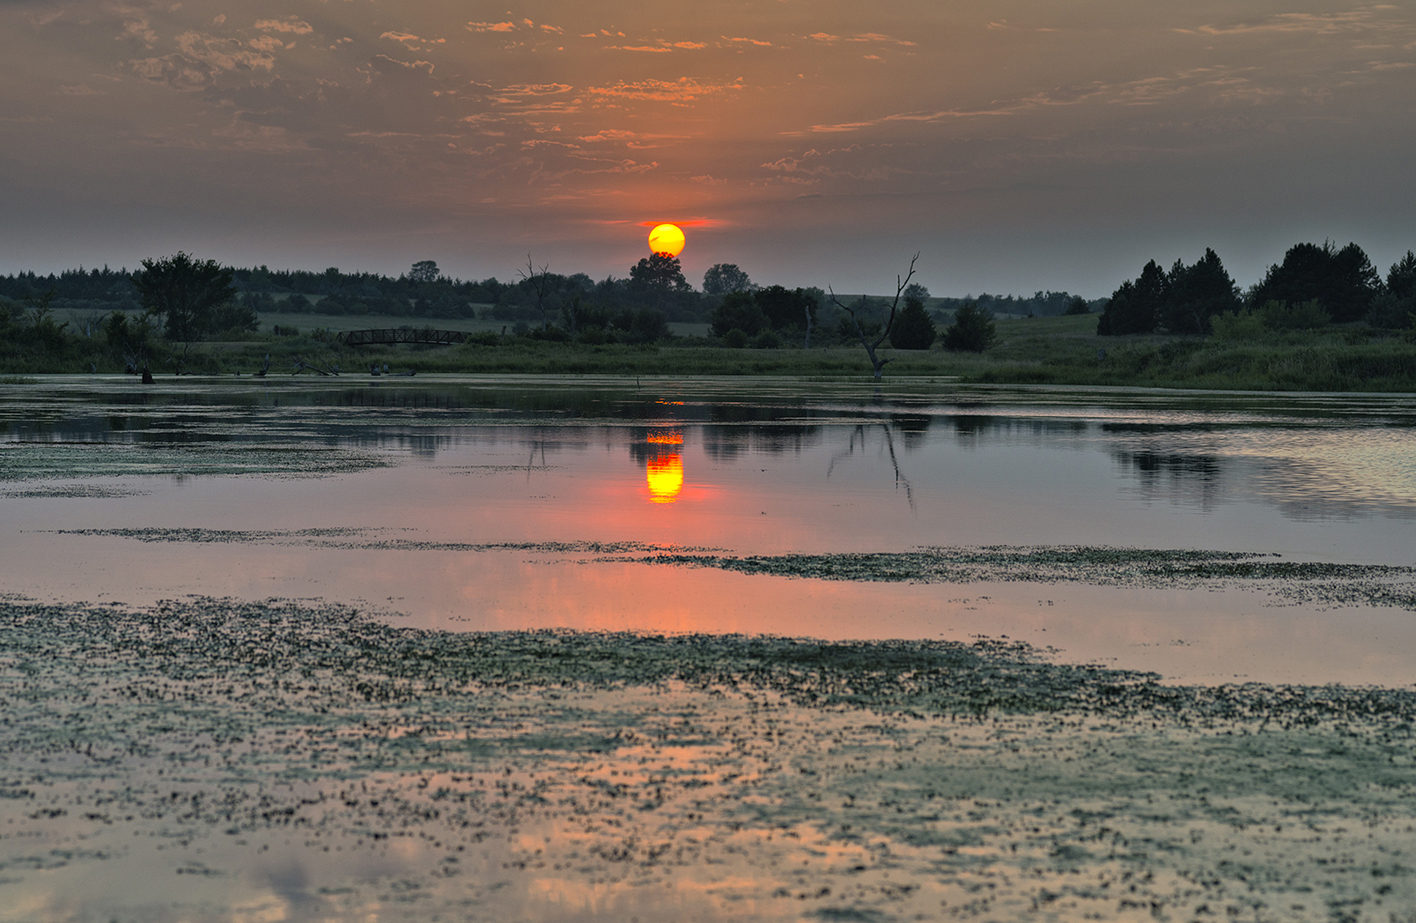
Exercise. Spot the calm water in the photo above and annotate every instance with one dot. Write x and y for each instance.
(407, 468)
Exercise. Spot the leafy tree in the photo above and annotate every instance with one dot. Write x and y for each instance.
(659, 272)
(722, 278)
(424, 271)
(972, 331)
(185, 291)
(915, 290)
(738, 311)
(914, 328)
(786, 309)
(1078, 305)
(1343, 281)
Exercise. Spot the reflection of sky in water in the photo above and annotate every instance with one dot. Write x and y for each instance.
(746, 467)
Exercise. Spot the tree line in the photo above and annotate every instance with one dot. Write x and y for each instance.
(1314, 286)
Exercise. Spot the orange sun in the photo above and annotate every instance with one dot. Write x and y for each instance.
(666, 238)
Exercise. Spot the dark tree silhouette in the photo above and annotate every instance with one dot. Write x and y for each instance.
(1342, 281)
(722, 278)
(424, 271)
(185, 291)
(877, 363)
(972, 331)
(1181, 301)
(786, 309)
(1194, 294)
(738, 311)
(914, 328)
(659, 272)
(541, 283)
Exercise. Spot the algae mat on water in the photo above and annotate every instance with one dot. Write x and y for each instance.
(222, 760)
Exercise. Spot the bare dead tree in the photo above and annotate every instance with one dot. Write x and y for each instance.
(540, 283)
(877, 363)
(327, 370)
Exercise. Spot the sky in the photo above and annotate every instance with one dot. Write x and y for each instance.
(1016, 145)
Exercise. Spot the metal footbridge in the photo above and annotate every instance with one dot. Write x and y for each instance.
(394, 335)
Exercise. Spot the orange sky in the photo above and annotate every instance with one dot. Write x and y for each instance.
(1018, 145)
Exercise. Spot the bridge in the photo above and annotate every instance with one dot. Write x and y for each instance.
(390, 336)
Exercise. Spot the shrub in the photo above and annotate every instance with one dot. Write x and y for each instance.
(1305, 315)
(767, 339)
(1390, 312)
(1237, 326)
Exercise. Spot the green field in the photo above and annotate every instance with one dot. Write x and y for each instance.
(1042, 350)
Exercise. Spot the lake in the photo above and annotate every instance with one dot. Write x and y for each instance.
(482, 504)
(706, 650)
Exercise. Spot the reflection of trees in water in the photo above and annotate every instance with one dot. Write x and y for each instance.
(887, 447)
(1190, 479)
(728, 443)
(912, 428)
(976, 427)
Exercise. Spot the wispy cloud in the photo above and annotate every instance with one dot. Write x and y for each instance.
(683, 90)
(288, 24)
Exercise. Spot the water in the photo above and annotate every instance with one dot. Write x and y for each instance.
(411, 475)
(230, 761)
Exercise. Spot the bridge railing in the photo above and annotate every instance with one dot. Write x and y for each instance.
(394, 335)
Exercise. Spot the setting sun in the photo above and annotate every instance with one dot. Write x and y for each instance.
(666, 238)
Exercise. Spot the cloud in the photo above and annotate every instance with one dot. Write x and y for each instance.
(80, 90)
(690, 45)
(141, 30)
(751, 41)
(653, 49)
(288, 24)
(829, 38)
(680, 91)
(175, 71)
(1314, 23)
(408, 65)
(223, 54)
(492, 26)
(609, 134)
(411, 41)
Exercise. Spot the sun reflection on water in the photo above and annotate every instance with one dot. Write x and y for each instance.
(664, 468)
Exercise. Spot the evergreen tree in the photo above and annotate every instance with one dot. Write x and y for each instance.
(972, 330)
(1194, 294)
(1343, 281)
(914, 329)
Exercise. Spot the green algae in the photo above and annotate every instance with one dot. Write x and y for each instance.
(513, 775)
(31, 461)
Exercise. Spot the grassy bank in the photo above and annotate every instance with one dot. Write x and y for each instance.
(1053, 350)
